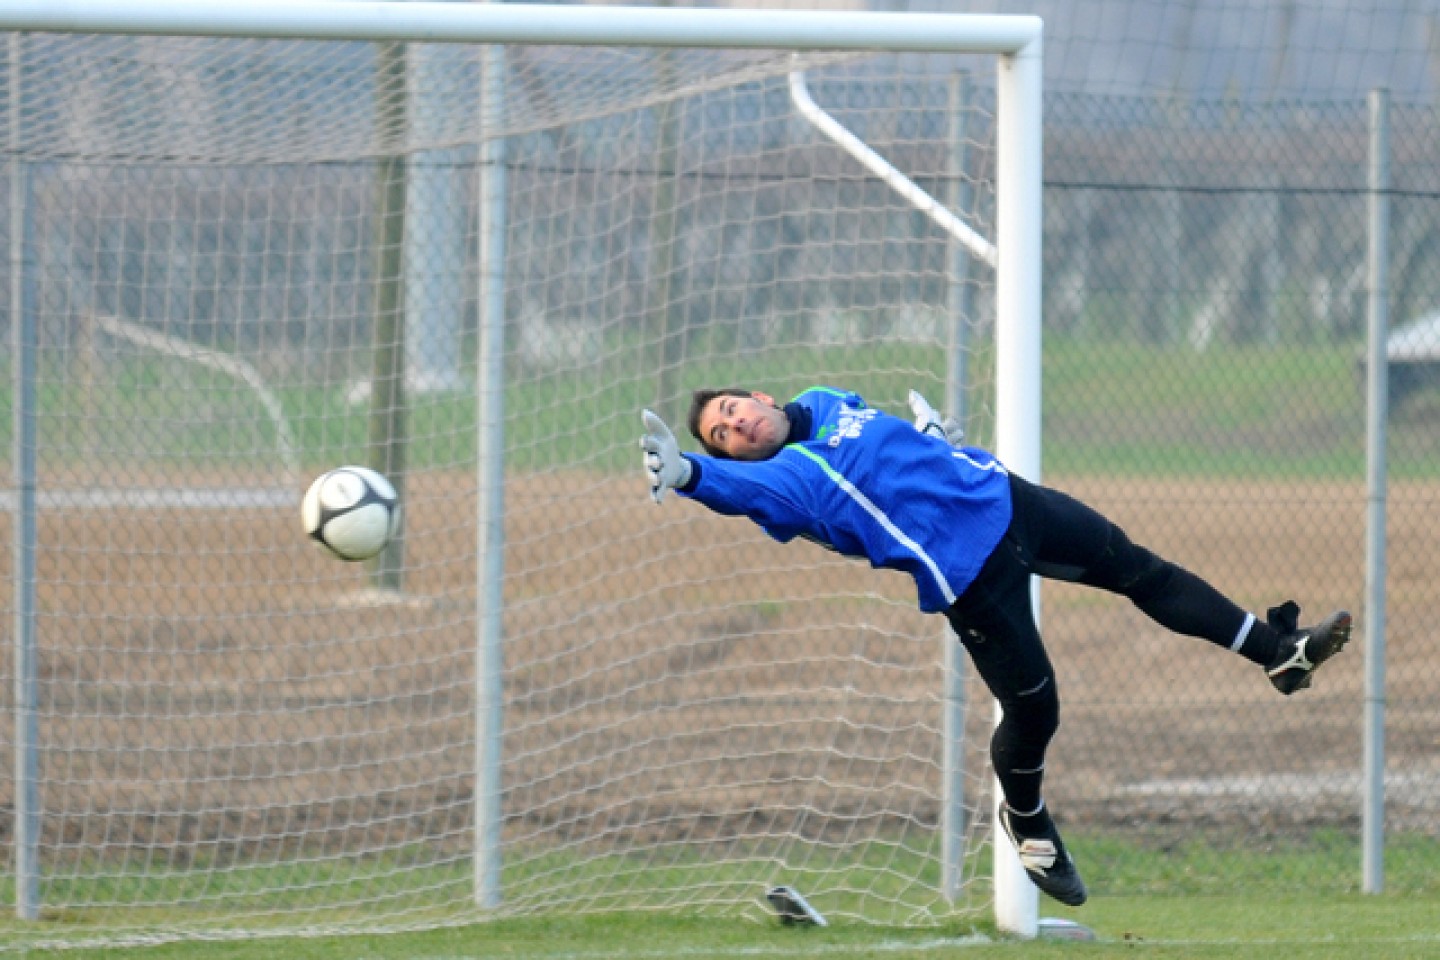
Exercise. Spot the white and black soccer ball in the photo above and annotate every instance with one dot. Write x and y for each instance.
(351, 512)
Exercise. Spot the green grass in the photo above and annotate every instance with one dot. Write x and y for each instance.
(1234, 926)
(1239, 411)
(1299, 900)
(1326, 861)
(1109, 407)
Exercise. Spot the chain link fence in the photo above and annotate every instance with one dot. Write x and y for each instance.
(1205, 269)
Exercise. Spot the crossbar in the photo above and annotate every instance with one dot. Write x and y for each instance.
(529, 23)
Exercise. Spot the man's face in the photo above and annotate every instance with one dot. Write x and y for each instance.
(746, 428)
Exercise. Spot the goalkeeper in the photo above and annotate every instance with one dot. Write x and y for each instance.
(829, 468)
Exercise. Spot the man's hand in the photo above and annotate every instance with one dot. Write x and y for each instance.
(928, 420)
(665, 468)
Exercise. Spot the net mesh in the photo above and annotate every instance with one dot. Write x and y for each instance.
(251, 261)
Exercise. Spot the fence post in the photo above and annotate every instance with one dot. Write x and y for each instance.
(490, 483)
(953, 825)
(1377, 408)
(24, 528)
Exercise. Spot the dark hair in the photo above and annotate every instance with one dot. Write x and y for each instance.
(698, 401)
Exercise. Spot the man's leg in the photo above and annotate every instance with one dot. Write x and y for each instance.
(995, 621)
(1068, 540)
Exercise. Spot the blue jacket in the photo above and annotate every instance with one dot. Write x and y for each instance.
(870, 485)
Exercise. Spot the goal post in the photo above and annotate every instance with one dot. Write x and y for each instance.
(363, 670)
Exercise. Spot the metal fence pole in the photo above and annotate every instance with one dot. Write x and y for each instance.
(490, 481)
(1377, 410)
(952, 844)
(25, 344)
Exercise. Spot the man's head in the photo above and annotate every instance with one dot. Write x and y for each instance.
(738, 424)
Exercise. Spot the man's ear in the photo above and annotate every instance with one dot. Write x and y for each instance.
(764, 398)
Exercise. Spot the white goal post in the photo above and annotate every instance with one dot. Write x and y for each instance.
(1015, 41)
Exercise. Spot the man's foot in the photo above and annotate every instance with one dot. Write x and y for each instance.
(1043, 855)
(1302, 651)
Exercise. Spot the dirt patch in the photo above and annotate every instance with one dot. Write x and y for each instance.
(214, 686)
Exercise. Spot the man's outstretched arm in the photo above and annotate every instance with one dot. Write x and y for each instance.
(768, 492)
(665, 466)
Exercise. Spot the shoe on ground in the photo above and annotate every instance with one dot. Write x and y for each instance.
(1303, 650)
(1045, 858)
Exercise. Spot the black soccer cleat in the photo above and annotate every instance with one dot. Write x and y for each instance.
(1302, 651)
(1045, 858)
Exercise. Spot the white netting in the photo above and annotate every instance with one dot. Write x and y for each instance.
(214, 100)
(239, 734)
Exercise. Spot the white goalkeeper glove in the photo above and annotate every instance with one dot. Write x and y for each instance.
(928, 420)
(665, 467)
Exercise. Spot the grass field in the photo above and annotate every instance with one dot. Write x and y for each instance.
(1389, 926)
(1199, 915)
(1143, 409)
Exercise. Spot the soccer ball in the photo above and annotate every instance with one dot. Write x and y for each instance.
(351, 512)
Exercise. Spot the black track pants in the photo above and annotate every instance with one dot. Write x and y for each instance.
(1058, 537)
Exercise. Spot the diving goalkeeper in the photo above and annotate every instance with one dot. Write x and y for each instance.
(830, 468)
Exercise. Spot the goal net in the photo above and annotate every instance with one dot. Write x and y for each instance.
(235, 263)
